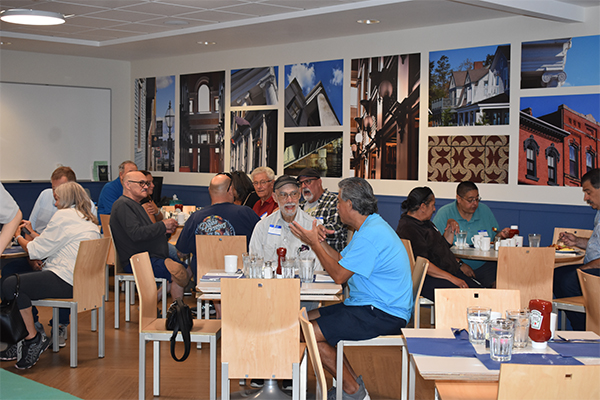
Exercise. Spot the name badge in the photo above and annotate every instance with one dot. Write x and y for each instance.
(274, 230)
(264, 215)
(320, 221)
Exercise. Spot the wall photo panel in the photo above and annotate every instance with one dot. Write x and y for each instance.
(253, 140)
(254, 87)
(319, 150)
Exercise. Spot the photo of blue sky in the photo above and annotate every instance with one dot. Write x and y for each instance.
(329, 73)
(458, 56)
(581, 103)
(165, 93)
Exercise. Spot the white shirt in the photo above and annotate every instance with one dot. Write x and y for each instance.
(8, 206)
(273, 232)
(59, 243)
(44, 209)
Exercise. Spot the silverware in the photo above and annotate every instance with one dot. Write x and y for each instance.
(562, 339)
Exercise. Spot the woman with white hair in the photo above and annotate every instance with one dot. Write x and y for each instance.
(58, 244)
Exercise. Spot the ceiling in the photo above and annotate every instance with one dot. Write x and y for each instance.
(141, 29)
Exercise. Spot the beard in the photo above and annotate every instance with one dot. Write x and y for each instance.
(308, 195)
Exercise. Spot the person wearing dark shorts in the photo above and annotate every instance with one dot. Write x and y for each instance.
(376, 268)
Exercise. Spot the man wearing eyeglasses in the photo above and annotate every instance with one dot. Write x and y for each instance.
(468, 214)
(114, 189)
(262, 180)
(134, 232)
(322, 204)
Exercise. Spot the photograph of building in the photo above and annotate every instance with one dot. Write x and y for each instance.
(313, 94)
(469, 86)
(319, 150)
(154, 123)
(558, 139)
(253, 140)
(384, 109)
(201, 122)
(560, 62)
(254, 87)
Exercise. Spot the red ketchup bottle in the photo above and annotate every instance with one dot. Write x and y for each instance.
(281, 252)
(539, 328)
(513, 231)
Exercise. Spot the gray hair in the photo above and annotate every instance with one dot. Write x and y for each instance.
(263, 170)
(124, 163)
(360, 192)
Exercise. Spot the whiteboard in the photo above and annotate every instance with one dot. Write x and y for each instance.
(45, 126)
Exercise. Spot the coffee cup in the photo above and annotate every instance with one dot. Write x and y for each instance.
(518, 241)
(476, 240)
(485, 243)
(231, 264)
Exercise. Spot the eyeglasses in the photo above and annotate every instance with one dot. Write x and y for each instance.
(141, 183)
(306, 182)
(227, 174)
(283, 196)
(262, 183)
(472, 199)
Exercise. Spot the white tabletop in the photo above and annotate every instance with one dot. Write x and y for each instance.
(471, 253)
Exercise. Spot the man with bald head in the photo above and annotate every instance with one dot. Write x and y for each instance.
(113, 190)
(222, 217)
(134, 232)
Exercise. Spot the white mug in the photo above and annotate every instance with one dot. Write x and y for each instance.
(505, 243)
(518, 241)
(476, 240)
(485, 243)
(231, 264)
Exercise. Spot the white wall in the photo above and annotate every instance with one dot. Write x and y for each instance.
(84, 72)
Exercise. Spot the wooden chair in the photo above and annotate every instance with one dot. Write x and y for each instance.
(528, 269)
(127, 279)
(548, 382)
(422, 301)
(153, 329)
(575, 303)
(590, 286)
(210, 254)
(260, 333)
(110, 258)
(418, 277)
(311, 342)
(451, 304)
(88, 294)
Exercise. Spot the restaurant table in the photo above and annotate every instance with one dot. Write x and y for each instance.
(470, 253)
(13, 252)
(464, 370)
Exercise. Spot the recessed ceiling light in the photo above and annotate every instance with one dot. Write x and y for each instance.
(175, 22)
(207, 43)
(5, 43)
(32, 17)
(368, 21)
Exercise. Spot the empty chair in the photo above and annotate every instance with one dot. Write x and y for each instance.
(590, 286)
(311, 342)
(154, 329)
(88, 294)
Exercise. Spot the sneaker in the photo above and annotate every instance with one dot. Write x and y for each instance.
(29, 351)
(62, 335)
(10, 353)
(361, 393)
(257, 383)
(286, 384)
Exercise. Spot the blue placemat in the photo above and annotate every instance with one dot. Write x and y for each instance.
(576, 349)
(440, 347)
(537, 359)
(13, 250)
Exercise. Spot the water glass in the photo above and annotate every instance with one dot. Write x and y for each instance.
(521, 320)
(534, 239)
(461, 239)
(501, 339)
(256, 267)
(288, 268)
(307, 267)
(478, 318)
(246, 265)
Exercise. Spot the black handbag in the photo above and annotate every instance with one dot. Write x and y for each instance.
(12, 326)
(179, 319)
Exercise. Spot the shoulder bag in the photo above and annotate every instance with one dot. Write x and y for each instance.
(179, 319)
(12, 326)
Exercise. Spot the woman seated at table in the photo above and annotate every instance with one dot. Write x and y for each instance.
(415, 225)
(58, 244)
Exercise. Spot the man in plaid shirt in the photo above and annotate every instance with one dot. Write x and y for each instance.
(322, 204)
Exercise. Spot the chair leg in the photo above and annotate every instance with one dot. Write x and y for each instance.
(101, 331)
(432, 317)
(295, 381)
(412, 373)
(164, 297)
(303, 375)
(55, 328)
(127, 300)
(73, 337)
(106, 287)
(417, 319)
(199, 316)
(340, 371)
(563, 320)
(156, 368)
(132, 298)
(142, 368)
(404, 372)
(117, 300)
(206, 309)
(225, 381)
(213, 368)
(94, 320)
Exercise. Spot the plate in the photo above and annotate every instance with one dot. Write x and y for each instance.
(570, 251)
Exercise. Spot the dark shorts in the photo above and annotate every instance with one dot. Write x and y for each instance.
(341, 322)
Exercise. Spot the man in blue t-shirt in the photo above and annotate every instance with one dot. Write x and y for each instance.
(377, 269)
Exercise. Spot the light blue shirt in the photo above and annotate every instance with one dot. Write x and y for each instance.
(592, 251)
(44, 209)
(382, 276)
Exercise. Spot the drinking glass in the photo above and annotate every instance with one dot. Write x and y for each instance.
(461, 239)
(288, 268)
(307, 270)
(534, 239)
(501, 339)
(478, 318)
(246, 264)
(521, 320)
(256, 266)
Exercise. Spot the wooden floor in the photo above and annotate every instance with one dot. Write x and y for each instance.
(116, 375)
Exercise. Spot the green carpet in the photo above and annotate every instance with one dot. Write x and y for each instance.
(15, 387)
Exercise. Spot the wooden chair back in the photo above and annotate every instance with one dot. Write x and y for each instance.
(260, 336)
(409, 251)
(311, 342)
(586, 233)
(168, 208)
(451, 304)
(418, 277)
(189, 209)
(89, 274)
(590, 286)
(531, 270)
(212, 249)
(105, 222)
(146, 287)
(548, 382)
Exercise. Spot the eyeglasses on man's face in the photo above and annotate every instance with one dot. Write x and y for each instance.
(471, 199)
(261, 183)
(142, 183)
(307, 181)
(295, 195)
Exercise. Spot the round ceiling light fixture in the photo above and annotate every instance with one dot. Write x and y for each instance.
(368, 21)
(207, 43)
(32, 17)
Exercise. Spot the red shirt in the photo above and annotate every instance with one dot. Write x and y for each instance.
(267, 207)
